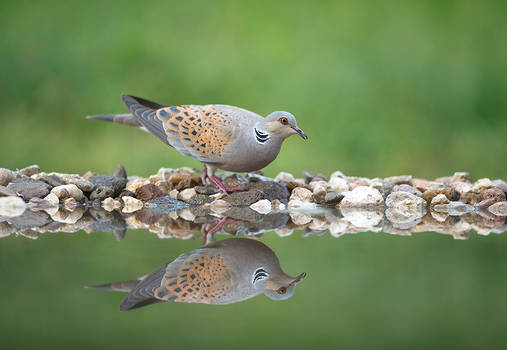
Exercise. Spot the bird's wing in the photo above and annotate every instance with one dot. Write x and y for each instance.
(197, 277)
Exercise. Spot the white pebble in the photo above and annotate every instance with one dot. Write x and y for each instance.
(286, 177)
(66, 191)
(131, 204)
(262, 207)
(186, 194)
(302, 194)
(12, 206)
(362, 196)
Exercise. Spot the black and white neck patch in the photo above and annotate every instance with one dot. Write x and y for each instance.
(259, 274)
(261, 136)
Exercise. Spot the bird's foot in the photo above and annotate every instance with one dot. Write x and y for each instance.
(221, 187)
(216, 227)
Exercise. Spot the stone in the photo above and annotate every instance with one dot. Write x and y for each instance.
(69, 204)
(424, 185)
(107, 186)
(186, 214)
(36, 204)
(186, 194)
(89, 174)
(485, 203)
(499, 208)
(262, 207)
(310, 177)
(52, 179)
(369, 219)
(462, 187)
(454, 208)
(405, 217)
(120, 172)
(6, 176)
(174, 194)
(461, 177)
(284, 177)
(6, 229)
(74, 179)
(318, 225)
(493, 193)
(333, 198)
(29, 170)
(451, 194)
(284, 231)
(337, 173)
(12, 206)
(31, 234)
(131, 204)
(66, 217)
(439, 199)
(53, 199)
(338, 228)
(404, 199)
(446, 180)
(29, 188)
(300, 218)
(4, 191)
(362, 196)
(219, 206)
(482, 184)
(301, 194)
(500, 184)
(109, 204)
(148, 192)
(401, 179)
(66, 191)
(338, 184)
(407, 188)
(277, 205)
(134, 183)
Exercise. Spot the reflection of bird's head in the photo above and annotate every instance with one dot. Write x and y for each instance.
(278, 285)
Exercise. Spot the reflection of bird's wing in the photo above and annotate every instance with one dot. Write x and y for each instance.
(142, 294)
(201, 132)
(196, 277)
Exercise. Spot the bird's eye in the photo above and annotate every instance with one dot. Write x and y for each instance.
(282, 290)
(284, 121)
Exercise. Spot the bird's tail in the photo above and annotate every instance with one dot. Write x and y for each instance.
(123, 119)
(122, 286)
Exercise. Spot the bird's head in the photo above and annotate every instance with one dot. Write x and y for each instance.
(276, 286)
(283, 124)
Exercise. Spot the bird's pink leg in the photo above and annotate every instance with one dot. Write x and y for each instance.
(219, 184)
(217, 227)
(205, 175)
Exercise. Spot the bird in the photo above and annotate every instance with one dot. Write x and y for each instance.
(221, 272)
(220, 136)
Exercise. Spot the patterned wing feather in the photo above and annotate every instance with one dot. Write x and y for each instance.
(202, 132)
(143, 293)
(198, 277)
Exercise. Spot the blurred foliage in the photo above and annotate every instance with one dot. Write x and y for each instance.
(382, 88)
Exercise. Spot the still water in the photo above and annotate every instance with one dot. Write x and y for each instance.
(326, 278)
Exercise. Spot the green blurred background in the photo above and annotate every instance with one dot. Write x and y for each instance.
(381, 88)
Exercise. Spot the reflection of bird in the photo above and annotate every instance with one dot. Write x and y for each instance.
(219, 136)
(222, 272)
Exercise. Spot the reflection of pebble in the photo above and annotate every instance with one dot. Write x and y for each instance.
(262, 207)
(11, 206)
(499, 208)
(66, 191)
(131, 204)
(6, 176)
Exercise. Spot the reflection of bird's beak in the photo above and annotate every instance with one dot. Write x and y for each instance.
(298, 278)
(299, 132)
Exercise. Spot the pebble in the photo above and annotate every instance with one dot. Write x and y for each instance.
(300, 193)
(29, 170)
(74, 179)
(120, 172)
(493, 193)
(107, 186)
(66, 191)
(277, 205)
(4, 191)
(405, 217)
(53, 199)
(500, 184)
(262, 207)
(174, 194)
(451, 194)
(440, 199)
(407, 188)
(36, 204)
(109, 204)
(424, 185)
(338, 184)
(404, 199)
(51, 179)
(333, 198)
(29, 188)
(461, 177)
(6, 176)
(481, 185)
(12, 206)
(135, 182)
(284, 177)
(362, 196)
(6, 229)
(148, 192)
(131, 204)
(219, 206)
(338, 228)
(310, 177)
(363, 218)
(67, 217)
(186, 214)
(462, 187)
(401, 179)
(499, 208)
(300, 218)
(69, 204)
(454, 208)
(186, 194)
(284, 232)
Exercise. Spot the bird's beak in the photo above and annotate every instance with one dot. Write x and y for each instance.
(299, 132)
(298, 278)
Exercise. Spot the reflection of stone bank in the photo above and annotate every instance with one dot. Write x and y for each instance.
(173, 203)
